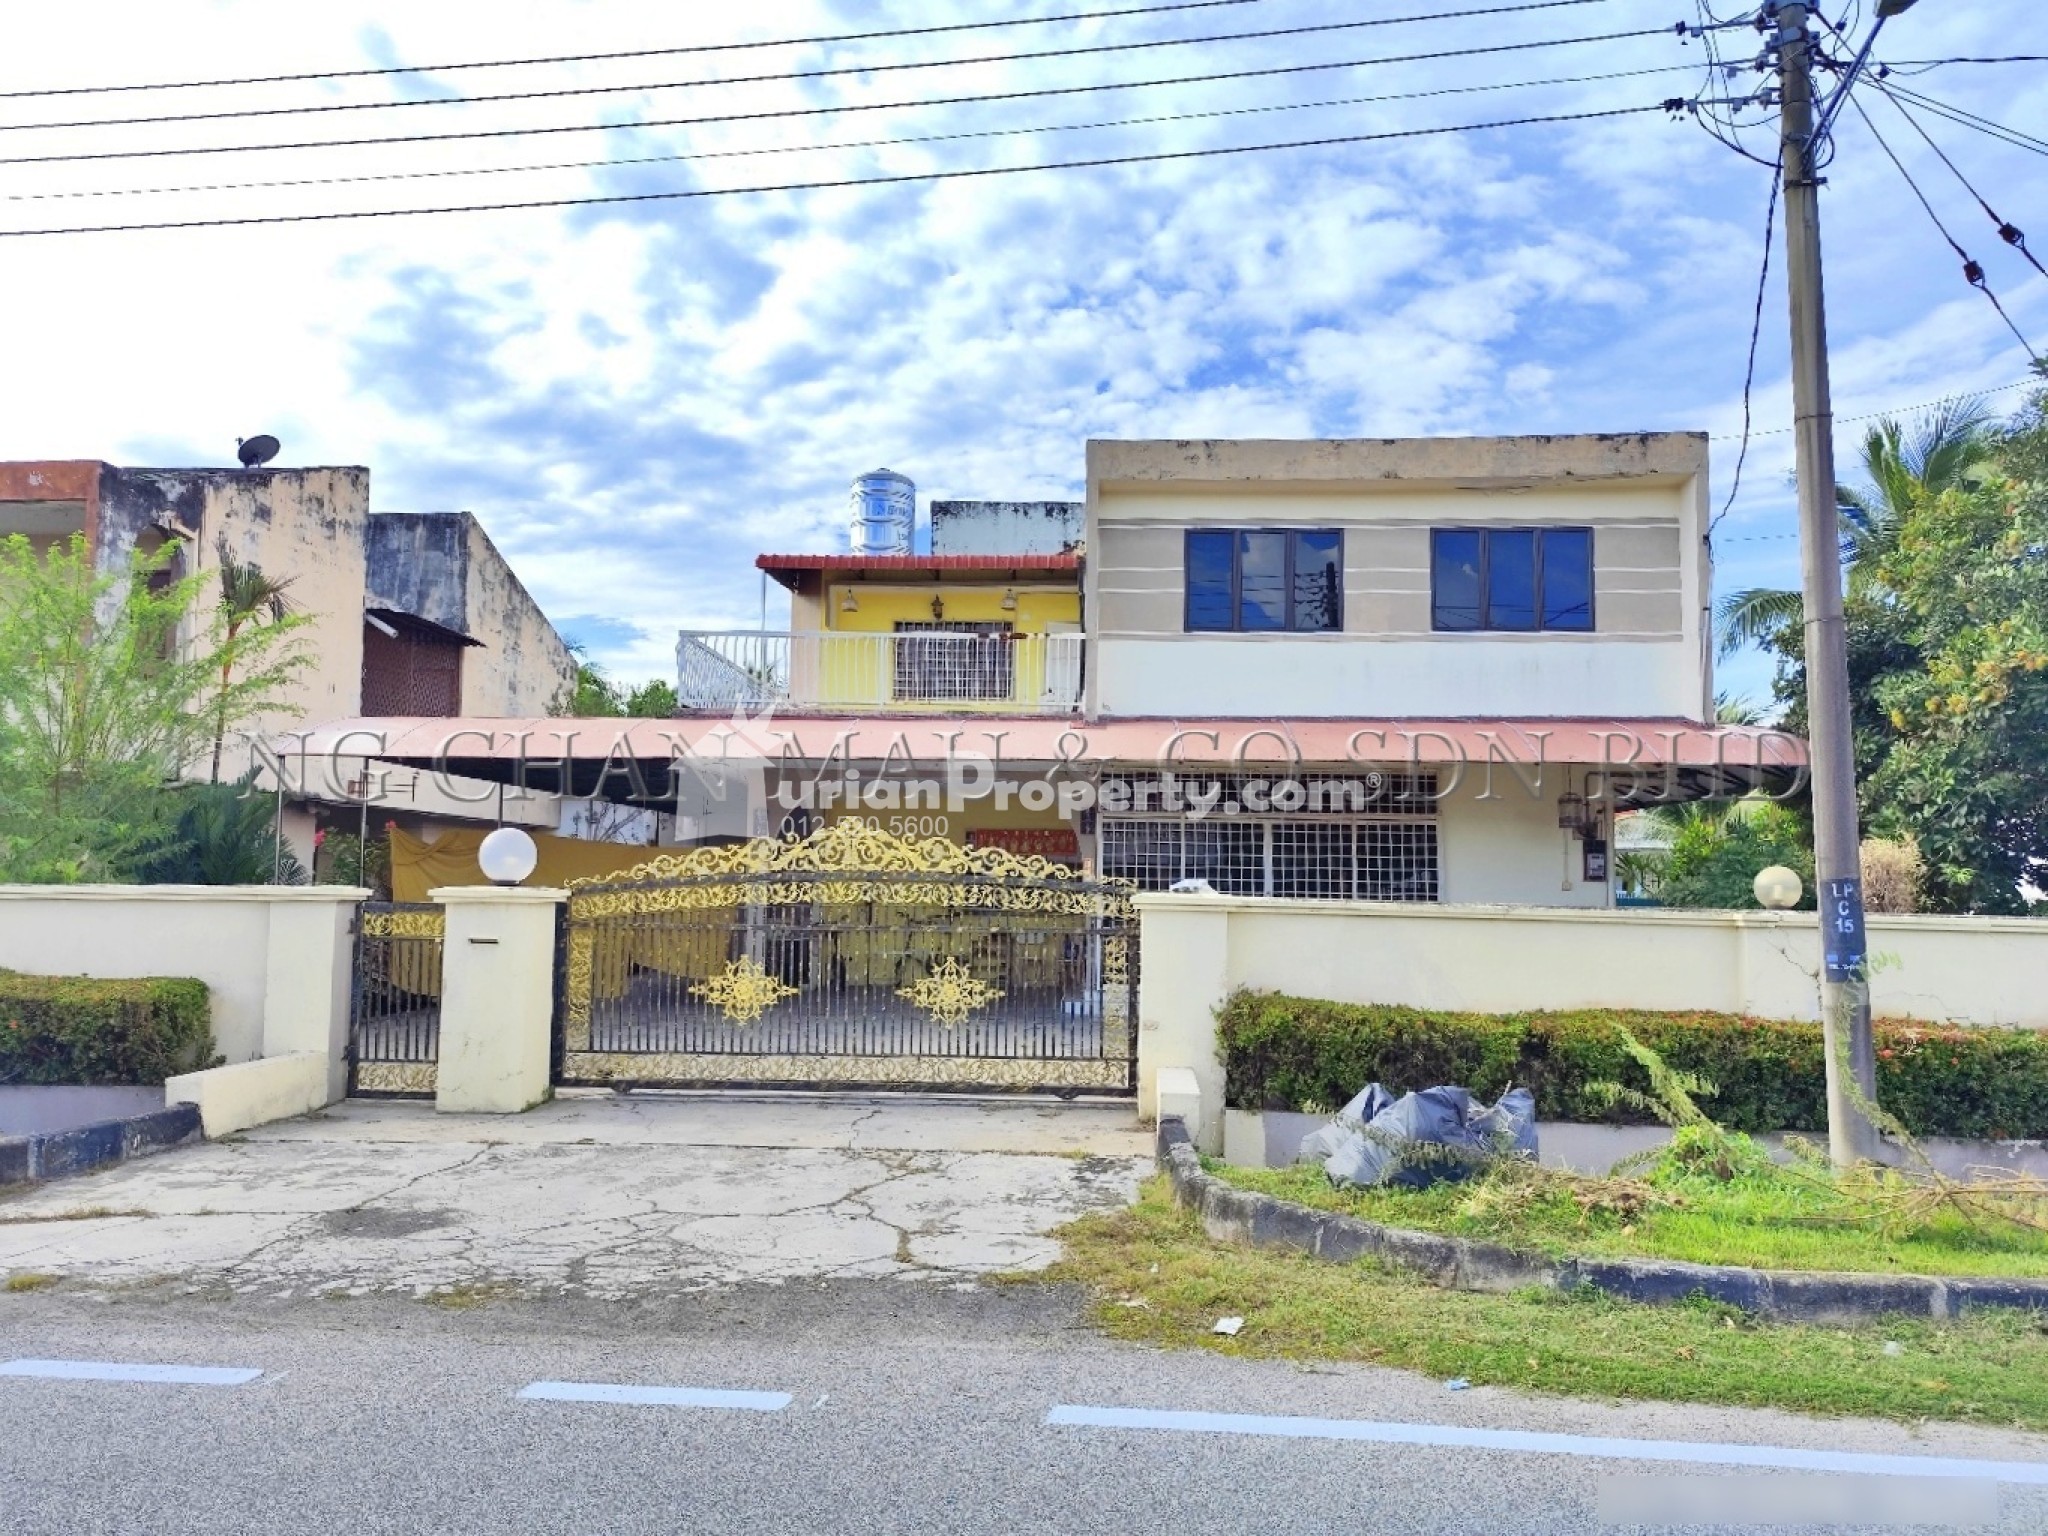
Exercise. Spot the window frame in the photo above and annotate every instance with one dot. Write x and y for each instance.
(1237, 625)
(1485, 626)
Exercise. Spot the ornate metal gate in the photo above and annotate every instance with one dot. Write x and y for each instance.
(395, 1008)
(851, 957)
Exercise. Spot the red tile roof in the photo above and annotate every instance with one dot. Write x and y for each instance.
(780, 566)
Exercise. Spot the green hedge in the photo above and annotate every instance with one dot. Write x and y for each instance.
(77, 1029)
(1283, 1052)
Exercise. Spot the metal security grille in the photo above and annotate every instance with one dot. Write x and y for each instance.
(1380, 859)
(395, 1005)
(850, 957)
(954, 661)
(411, 673)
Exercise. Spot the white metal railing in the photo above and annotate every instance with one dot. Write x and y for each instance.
(929, 669)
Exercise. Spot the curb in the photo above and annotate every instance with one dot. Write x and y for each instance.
(1255, 1220)
(58, 1154)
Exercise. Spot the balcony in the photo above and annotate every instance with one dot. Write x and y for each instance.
(977, 670)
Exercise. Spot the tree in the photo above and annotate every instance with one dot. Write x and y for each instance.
(247, 596)
(111, 684)
(1947, 450)
(594, 696)
(1947, 627)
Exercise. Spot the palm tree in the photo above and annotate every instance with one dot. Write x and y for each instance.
(1946, 452)
(246, 597)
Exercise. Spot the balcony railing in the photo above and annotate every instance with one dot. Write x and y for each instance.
(933, 671)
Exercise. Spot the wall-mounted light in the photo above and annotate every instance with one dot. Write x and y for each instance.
(848, 603)
(938, 607)
(1009, 600)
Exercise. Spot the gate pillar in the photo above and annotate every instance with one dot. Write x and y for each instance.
(497, 998)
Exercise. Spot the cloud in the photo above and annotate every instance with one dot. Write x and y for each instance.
(637, 397)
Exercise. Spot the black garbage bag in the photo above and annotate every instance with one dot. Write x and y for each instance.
(1429, 1136)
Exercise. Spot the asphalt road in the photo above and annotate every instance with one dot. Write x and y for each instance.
(913, 1407)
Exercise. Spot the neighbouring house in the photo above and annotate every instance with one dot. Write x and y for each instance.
(407, 614)
(1400, 669)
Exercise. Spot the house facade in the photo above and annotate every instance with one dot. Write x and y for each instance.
(1425, 669)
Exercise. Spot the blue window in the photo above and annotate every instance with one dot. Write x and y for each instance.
(1263, 580)
(1511, 578)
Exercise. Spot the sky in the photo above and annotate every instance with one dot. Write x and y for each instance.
(636, 397)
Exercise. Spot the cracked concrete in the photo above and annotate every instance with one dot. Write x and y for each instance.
(597, 1196)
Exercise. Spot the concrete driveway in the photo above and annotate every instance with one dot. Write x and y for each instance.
(593, 1195)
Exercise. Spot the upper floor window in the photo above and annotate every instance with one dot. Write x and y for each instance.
(1260, 579)
(1511, 578)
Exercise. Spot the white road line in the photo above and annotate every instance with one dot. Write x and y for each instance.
(119, 1370)
(674, 1397)
(1600, 1447)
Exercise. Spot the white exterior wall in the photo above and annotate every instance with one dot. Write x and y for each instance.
(1497, 959)
(1647, 656)
(276, 960)
(1504, 845)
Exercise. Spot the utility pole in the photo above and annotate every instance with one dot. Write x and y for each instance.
(1845, 984)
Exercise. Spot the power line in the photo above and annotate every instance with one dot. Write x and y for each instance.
(841, 182)
(2009, 58)
(1897, 410)
(827, 72)
(1966, 119)
(1756, 326)
(626, 53)
(822, 111)
(2009, 232)
(1973, 273)
(782, 149)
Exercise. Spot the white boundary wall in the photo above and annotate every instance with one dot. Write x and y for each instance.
(1194, 950)
(275, 959)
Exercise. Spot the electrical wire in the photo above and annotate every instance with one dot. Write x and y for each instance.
(2009, 58)
(848, 181)
(1973, 273)
(1756, 327)
(2009, 232)
(785, 149)
(822, 111)
(833, 71)
(625, 53)
(1894, 410)
(1965, 119)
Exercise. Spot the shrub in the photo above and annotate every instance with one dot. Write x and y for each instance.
(76, 1029)
(1285, 1052)
(1892, 872)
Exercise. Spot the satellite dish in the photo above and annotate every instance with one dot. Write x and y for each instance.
(253, 451)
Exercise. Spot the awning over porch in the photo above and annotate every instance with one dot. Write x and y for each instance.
(1651, 760)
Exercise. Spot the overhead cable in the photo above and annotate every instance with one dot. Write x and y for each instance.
(824, 111)
(917, 177)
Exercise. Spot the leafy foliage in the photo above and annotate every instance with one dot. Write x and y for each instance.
(1947, 609)
(596, 695)
(1285, 1052)
(112, 684)
(71, 1029)
(225, 834)
(1717, 848)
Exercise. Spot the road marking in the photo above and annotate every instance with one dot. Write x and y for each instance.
(1601, 1447)
(674, 1397)
(118, 1370)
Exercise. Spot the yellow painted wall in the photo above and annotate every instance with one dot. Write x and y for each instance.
(1040, 609)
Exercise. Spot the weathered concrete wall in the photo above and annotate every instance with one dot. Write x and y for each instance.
(1007, 527)
(303, 524)
(524, 664)
(418, 563)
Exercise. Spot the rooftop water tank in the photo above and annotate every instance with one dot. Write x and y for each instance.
(884, 506)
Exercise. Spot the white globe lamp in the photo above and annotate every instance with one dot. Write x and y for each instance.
(507, 856)
(1778, 888)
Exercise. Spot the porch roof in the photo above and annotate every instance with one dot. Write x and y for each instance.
(1702, 759)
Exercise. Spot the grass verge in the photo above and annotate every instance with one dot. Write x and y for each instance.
(1156, 1278)
(1775, 1220)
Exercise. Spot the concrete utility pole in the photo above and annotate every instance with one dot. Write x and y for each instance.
(1845, 985)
